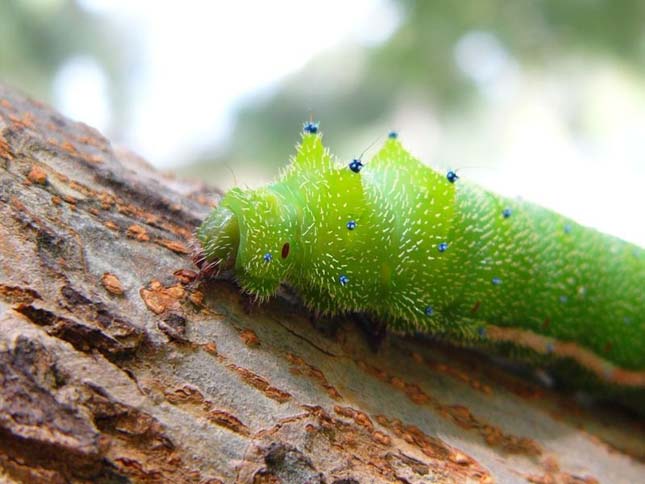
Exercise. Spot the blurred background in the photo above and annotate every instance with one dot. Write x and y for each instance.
(543, 99)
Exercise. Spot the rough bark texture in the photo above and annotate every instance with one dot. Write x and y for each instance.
(117, 366)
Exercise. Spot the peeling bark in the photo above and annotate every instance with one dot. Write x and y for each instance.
(118, 365)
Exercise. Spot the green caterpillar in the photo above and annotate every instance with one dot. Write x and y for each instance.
(427, 252)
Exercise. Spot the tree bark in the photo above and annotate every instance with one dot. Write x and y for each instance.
(118, 365)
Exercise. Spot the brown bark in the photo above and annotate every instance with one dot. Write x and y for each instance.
(117, 366)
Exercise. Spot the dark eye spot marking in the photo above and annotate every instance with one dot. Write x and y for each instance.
(285, 250)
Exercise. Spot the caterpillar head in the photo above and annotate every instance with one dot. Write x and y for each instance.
(254, 232)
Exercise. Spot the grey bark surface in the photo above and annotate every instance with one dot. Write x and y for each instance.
(117, 365)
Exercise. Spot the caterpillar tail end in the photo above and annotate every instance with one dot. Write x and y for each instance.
(219, 237)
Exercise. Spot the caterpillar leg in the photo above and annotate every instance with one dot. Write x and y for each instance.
(374, 329)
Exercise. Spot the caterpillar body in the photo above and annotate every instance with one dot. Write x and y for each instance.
(428, 252)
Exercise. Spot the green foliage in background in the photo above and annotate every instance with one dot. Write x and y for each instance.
(353, 90)
(37, 37)
(417, 63)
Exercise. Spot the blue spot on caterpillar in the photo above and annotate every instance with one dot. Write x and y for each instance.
(424, 238)
(310, 127)
(356, 165)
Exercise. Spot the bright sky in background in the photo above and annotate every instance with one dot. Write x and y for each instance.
(202, 59)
